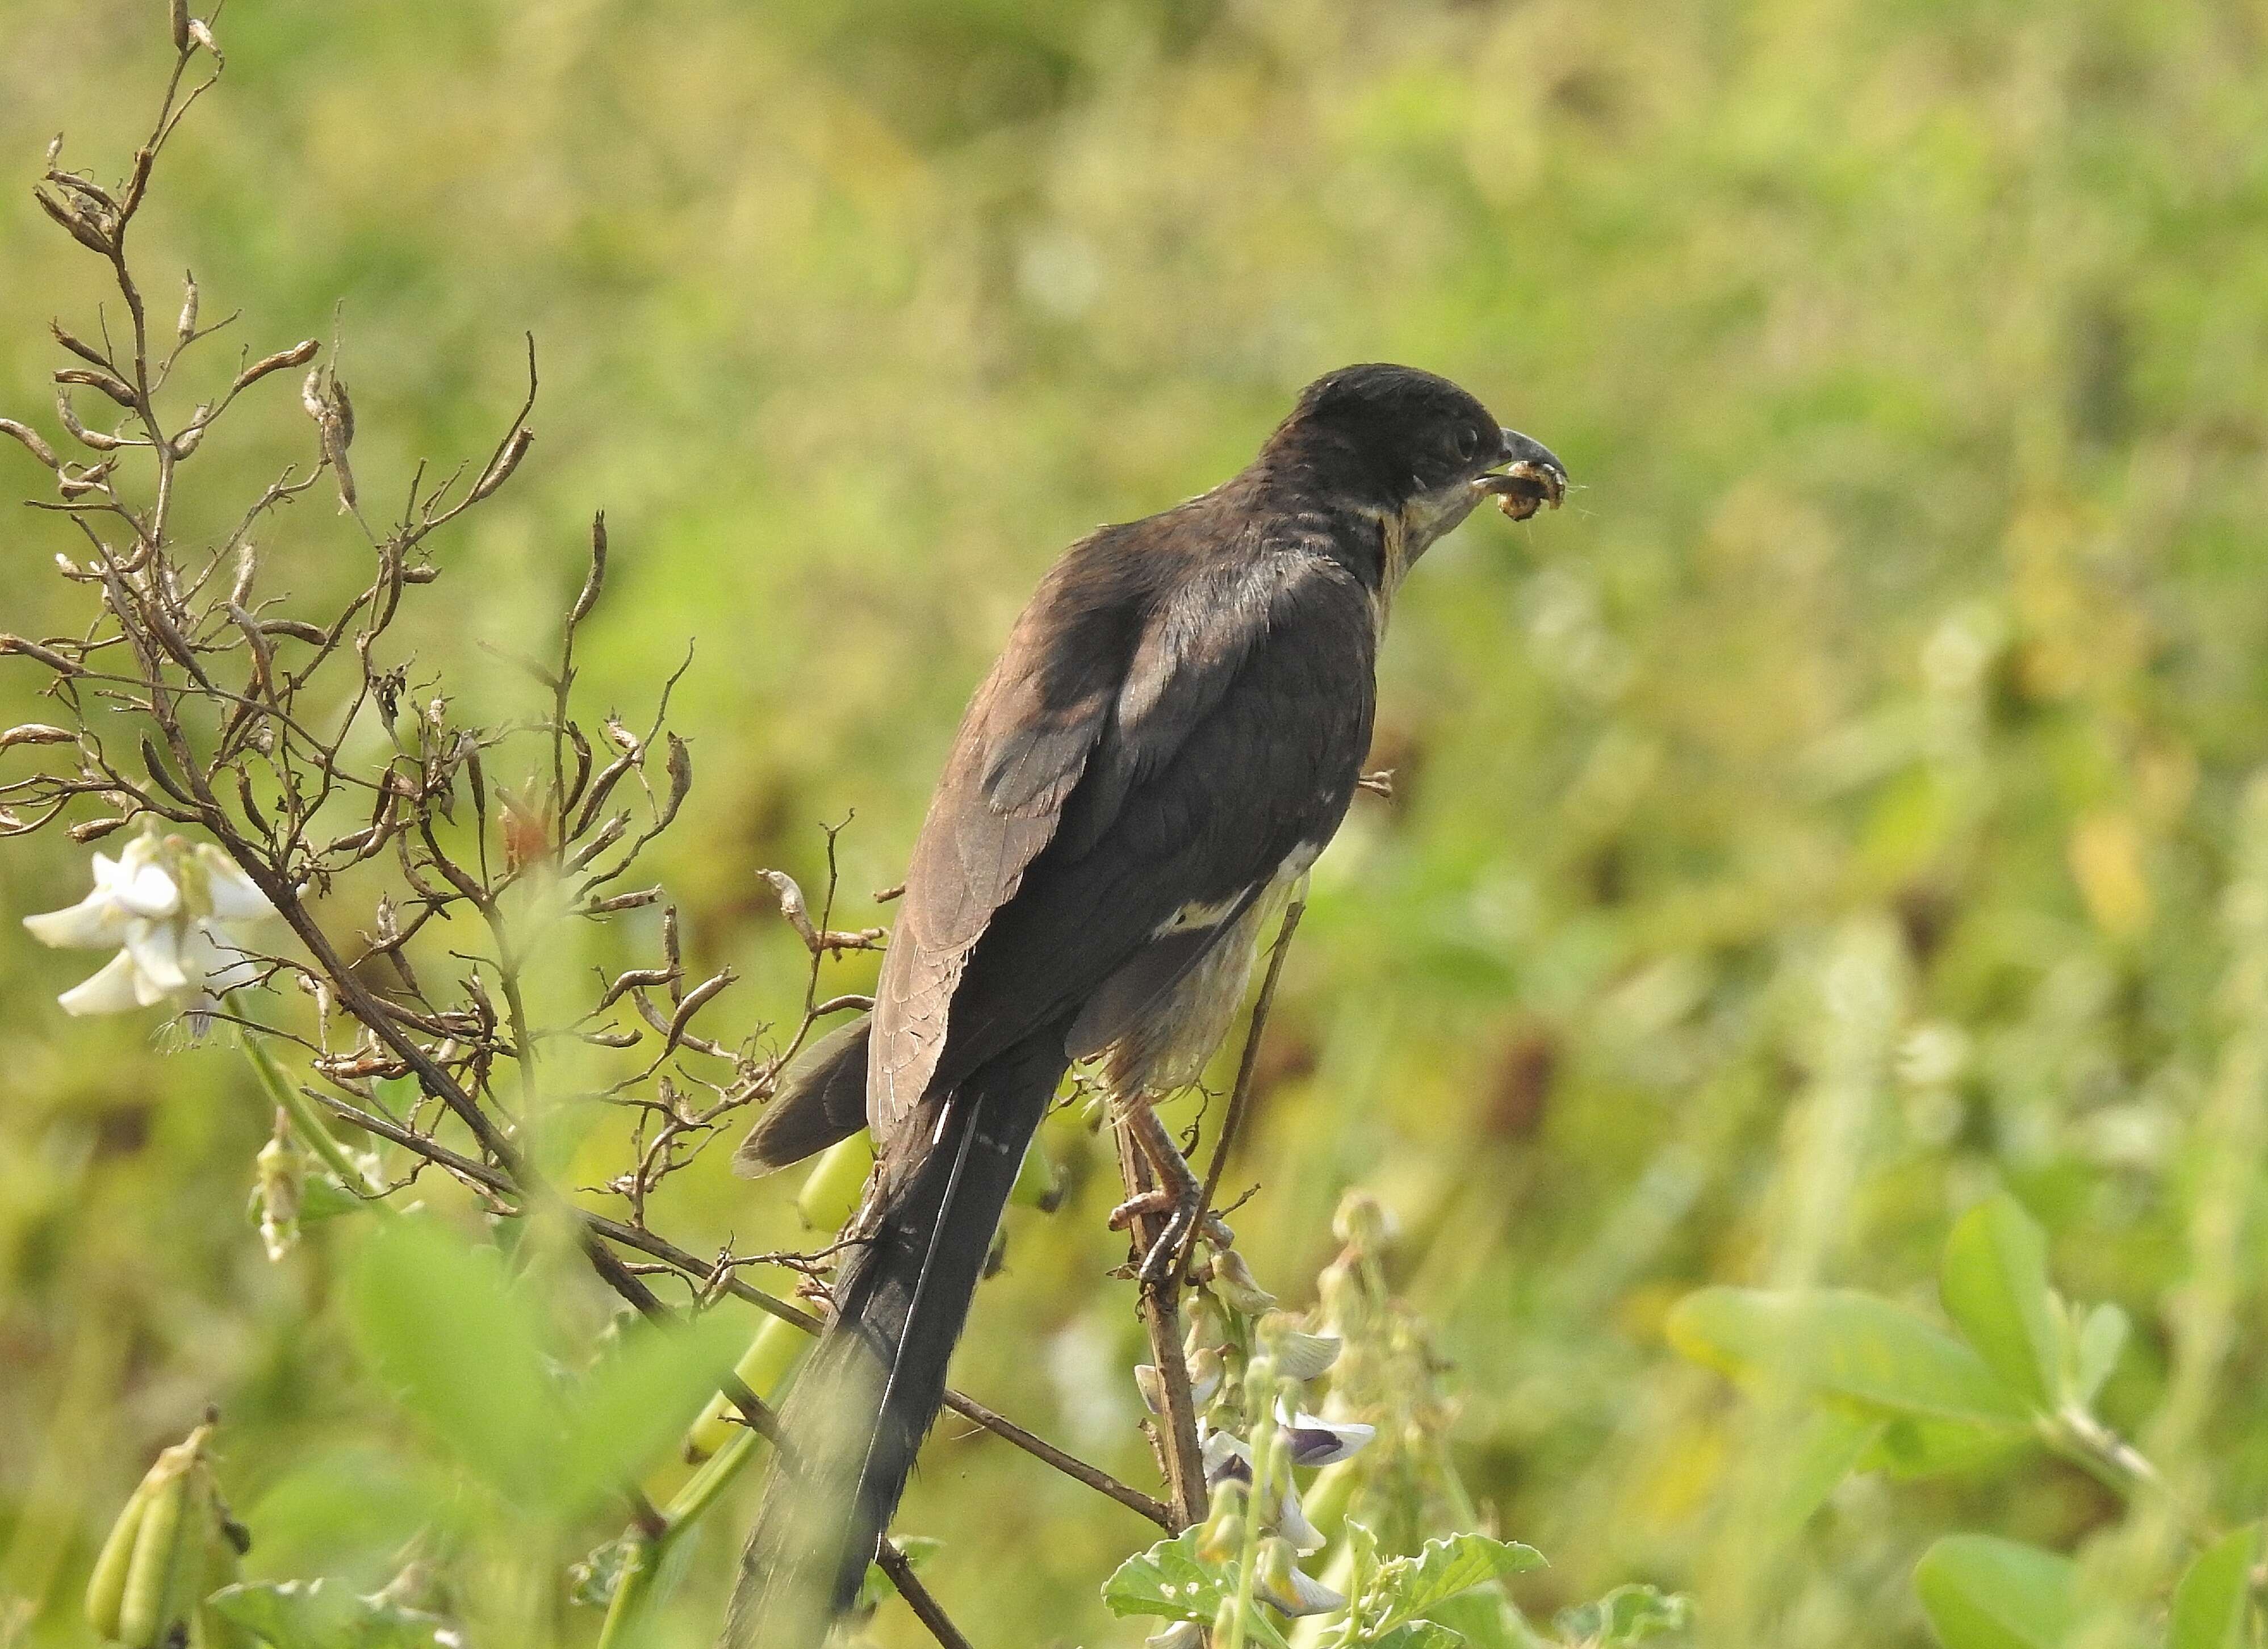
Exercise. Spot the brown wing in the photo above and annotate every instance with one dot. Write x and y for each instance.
(1157, 733)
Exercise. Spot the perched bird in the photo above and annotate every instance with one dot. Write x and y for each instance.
(1170, 737)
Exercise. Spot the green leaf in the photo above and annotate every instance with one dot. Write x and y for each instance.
(1834, 1438)
(323, 1615)
(1419, 1634)
(1909, 1446)
(637, 1402)
(1412, 1588)
(1627, 1615)
(1980, 1592)
(2101, 1337)
(2212, 1604)
(1170, 1580)
(1837, 1343)
(1993, 1280)
(440, 1324)
(1485, 1619)
(326, 1196)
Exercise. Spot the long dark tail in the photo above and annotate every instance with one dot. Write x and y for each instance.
(864, 1401)
(822, 1100)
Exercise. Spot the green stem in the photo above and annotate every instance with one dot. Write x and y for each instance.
(632, 1587)
(649, 1552)
(304, 1121)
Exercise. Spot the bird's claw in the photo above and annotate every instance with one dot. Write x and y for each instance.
(1181, 1214)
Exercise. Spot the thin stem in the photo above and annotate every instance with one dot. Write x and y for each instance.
(917, 1595)
(1161, 1317)
(2117, 1464)
(288, 1099)
(1101, 1481)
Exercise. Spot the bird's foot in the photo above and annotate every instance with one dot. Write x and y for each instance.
(1181, 1209)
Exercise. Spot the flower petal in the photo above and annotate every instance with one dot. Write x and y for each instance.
(234, 896)
(1292, 1523)
(146, 891)
(95, 920)
(1226, 1456)
(156, 948)
(1319, 1442)
(115, 990)
(209, 953)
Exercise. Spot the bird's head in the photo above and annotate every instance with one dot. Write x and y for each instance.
(1415, 447)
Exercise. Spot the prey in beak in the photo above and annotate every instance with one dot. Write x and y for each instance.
(1528, 476)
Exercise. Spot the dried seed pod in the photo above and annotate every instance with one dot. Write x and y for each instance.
(185, 327)
(201, 32)
(94, 830)
(177, 14)
(30, 438)
(190, 438)
(98, 379)
(500, 467)
(89, 478)
(595, 580)
(36, 732)
(82, 229)
(298, 355)
(681, 780)
(69, 416)
(54, 151)
(343, 409)
(79, 347)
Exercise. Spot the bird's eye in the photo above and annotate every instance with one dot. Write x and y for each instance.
(1468, 444)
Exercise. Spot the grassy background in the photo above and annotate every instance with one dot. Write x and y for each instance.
(1816, 826)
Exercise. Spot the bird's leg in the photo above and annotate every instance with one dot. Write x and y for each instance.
(1179, 1195)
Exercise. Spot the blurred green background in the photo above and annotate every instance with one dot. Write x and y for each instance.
(1817, 825)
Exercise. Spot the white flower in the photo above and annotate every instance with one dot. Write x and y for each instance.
(1319, 1442)
(169, 908)
(1281, 1583)
(1292, 1523)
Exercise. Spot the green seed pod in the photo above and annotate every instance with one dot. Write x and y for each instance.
(763, 1368)
(830, 1195)
(164, 1546)
(106, 1587)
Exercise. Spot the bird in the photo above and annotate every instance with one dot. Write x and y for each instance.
(1170, 736)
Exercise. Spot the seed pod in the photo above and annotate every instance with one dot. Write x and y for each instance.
(830, 1193)
(94, 830)
(762, 1368)
(164, 1547)
(188, 441)
(595, 580)
(81, 230)
(298, 355)
(32, 441)
(96, 379)
(185, 327)
(79, 432)
(201, 32)
(500, 468)
(35, 732)
(177, 14)
(106, 1587)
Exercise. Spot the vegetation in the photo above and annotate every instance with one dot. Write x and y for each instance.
(1816, 935)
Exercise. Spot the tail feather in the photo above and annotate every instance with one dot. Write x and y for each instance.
(866, 1398)
(822, 1100)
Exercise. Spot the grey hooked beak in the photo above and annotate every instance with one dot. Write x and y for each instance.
(1531, 477)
